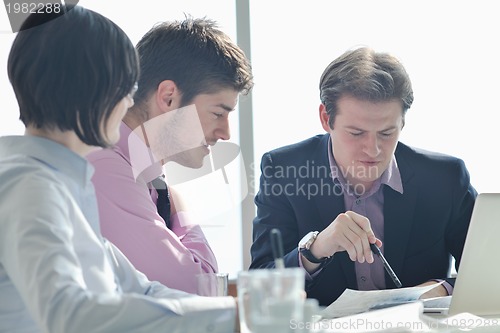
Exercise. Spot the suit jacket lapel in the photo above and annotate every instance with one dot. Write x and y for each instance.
(398, 218)
(330, 201)
(330, 205)
(398, 213)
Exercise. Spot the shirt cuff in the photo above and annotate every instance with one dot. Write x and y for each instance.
(446, 285)
(309, 277)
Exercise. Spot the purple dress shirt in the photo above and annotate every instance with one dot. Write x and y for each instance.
(371, 205)
(129, 218)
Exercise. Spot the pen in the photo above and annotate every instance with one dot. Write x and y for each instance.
(376, 250)
(277, 246)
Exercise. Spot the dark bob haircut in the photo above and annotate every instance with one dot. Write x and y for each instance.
(70, 69)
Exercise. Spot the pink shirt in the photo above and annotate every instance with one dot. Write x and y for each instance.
(129, 219)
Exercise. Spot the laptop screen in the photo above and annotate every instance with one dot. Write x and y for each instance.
(477, 287)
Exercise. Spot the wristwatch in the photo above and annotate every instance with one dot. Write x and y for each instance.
(305, 246)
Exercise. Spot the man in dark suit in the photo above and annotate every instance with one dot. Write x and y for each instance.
(333, 195)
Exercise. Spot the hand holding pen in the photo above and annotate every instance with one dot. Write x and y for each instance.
(387, 267)
(350, 232)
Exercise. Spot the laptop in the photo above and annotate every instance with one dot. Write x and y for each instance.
(477, 287)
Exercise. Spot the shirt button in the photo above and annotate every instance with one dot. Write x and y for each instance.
(363, 278)
(358, 201)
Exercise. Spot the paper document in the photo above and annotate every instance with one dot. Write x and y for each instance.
(405, 318)
(356, 301)
(437, 305)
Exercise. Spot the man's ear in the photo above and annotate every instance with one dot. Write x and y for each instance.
(168, 96)
(324, 118)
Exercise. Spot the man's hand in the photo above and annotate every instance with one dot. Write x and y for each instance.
(349, 232)
(438, 291)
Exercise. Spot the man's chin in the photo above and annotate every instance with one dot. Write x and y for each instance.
(190, 160)
(194, 164)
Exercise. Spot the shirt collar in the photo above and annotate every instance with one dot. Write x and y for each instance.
(51, 153)
(391, 177)
(138, 155)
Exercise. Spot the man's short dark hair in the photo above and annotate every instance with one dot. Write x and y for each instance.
(70, 69)
(366, 75)
(194, 54)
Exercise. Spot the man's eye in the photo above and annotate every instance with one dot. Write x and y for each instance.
(218, 115)
(355, 133)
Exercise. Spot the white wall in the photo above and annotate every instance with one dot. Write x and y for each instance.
(9, 123)
(450, 49)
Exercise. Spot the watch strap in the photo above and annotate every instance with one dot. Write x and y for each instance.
(309, 256)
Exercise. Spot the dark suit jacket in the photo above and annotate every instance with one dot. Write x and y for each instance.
(422, 227)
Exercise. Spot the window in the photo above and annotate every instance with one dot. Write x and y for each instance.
(449, 49)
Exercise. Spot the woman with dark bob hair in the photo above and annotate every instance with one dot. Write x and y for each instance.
(74, 73)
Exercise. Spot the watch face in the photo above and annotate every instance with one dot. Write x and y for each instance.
(307, 240)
